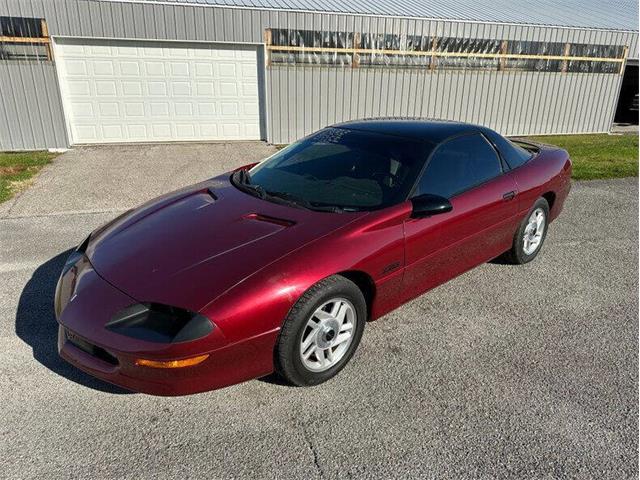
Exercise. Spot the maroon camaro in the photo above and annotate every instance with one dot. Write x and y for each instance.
(277, 266)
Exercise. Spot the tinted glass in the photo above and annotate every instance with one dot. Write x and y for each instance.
(459, 164)
(513, 154)
(347, 168)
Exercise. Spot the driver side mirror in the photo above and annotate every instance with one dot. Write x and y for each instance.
(427, 205)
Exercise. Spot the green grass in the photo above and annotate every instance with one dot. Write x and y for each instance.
(598, 156)
(17, 169)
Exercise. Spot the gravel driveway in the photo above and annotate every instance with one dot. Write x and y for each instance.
(522, 372)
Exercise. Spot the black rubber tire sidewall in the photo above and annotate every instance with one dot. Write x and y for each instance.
(287, 358)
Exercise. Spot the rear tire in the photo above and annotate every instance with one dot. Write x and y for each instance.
(531, 234)
(321, 332)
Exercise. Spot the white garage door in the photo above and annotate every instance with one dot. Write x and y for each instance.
(136, 91)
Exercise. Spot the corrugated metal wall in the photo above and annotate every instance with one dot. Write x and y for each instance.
(30, 108)
(301, 99)
(517, 103)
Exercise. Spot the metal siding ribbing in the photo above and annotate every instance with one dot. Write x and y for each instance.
(613, 14)
(30, 107)
(300, 99)
(587, 107)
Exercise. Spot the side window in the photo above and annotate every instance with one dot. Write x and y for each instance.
(458, 165)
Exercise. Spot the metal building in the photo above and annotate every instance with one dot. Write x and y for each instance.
(99, 71)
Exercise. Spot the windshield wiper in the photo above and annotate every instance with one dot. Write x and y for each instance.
(326, 208)
(241, 177)
(301, 202)
(243, 182)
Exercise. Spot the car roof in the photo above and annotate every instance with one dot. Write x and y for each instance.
(434, 131)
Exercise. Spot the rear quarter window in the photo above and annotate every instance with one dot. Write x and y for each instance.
(513, 154)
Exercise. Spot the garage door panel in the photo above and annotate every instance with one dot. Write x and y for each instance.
(112, 132)
(85, 131)
(152, 91)
(78, 88)
(129, 88)
(179, 69)
(180, 89)
(159, 109)
(251, 109)
(157, 89)
(152, 69)
(82, 109)
(129, 68)
(252, 130)
(103, 67)
(204, 69)
(137, 132)
(105, 88)
(76, 68)
(109, 109)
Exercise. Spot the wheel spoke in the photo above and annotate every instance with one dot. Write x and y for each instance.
(346, 327)
(306, 353)
(313, 324)
(342, 313)
(310, 340)
(320, 356)
(335, 308)
(343, 337)
(321, 316)
(329, 353)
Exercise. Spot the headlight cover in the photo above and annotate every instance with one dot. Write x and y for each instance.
(75, 256)
(154, 322)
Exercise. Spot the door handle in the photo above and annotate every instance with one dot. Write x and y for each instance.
(510, 195)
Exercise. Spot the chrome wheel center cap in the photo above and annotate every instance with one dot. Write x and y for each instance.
(328, 333)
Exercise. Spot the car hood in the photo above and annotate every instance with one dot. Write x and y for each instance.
(188, 247)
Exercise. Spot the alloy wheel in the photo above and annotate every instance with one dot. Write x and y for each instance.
(328, 334)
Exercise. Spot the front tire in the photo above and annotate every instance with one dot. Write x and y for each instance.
(321, 332)
(531, 234)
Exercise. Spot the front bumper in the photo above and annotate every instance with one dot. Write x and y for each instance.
(85, 302)
(226, 366)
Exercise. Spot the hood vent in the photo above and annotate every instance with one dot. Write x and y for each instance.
(205, 198)
(269, 219)
(212, 193)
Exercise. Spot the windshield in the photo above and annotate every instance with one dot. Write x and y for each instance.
(341, 168)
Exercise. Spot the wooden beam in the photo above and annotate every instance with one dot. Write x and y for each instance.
(357, 43)
(502, 63)
(268, 40)
(25, 40)
(625, 52)
(434, 46)
(44, 28)
(565, 63)
(45, 33)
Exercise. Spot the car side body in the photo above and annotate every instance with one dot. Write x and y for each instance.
(244, 262)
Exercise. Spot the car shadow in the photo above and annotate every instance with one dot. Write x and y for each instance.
(274, 379)
(36, 325)
(501, 260)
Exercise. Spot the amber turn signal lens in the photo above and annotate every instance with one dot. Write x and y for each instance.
(185, 362)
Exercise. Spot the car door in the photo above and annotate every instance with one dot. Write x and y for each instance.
(468, 171)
